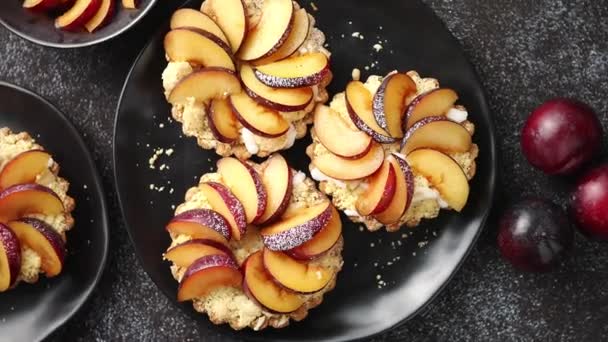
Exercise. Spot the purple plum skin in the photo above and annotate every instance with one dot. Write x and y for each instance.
(278, 82)
(12, 248)
(535, 235)
(589, 204)
(561, 136)
(55, 240)
(298, 235)
(208, 218)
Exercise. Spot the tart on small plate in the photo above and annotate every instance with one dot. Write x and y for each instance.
(53, 222)
(72, 23)
(35, 211)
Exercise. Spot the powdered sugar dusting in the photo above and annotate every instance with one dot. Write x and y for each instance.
(233, 204)
(295, 82)
(209, 261)
(297, 236)
(208, 218)
(259, 188)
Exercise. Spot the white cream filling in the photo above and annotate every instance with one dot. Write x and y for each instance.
(457, 115)
(423, 194)
(298, 178)
(248, 139)
(253, 147)
(351, 213)
(173, 73)
(319, 176)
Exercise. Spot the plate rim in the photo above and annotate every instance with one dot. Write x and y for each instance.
(492, 178)
(93, 42)
(104, 208)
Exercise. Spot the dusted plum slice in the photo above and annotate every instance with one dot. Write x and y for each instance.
(277, 179)
(198, 47)
(389, 102)
(207, 274)
(24, 168)
(246, 184)
(43, 240)
(228, 205)
(298, 228)
(444, 174)
(205, 85)
(359, 106)
(350, 169)
(186, 253)
(335, 134)
(261, 288)
(380, 191)
(190, 18)
(281, 99)
(271, 32)
(20, 200)
(10, 257)
(201, 224)
(323, 241)
(438, 133)
(294, 72)
(433, 103)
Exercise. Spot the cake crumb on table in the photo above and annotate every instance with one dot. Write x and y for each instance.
(358, 35)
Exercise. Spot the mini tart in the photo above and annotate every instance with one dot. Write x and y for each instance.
(424, 196)
(237, 304)
(286, 101)
(38, 174)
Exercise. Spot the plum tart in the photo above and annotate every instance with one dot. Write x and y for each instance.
(244, 76)
(393, 150)
(35, 211)
(255, 245)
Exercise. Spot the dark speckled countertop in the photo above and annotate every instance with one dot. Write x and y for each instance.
(525, 51)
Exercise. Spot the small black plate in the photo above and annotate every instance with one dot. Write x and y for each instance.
(32, 312)
(40, 28)
(428, 257)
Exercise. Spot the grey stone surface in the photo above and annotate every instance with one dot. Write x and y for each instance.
(525, 51)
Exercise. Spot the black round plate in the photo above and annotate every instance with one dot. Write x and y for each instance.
(32, 312)
(40, 28)
(416, 39)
